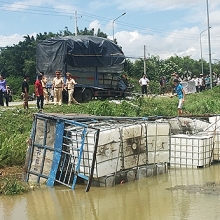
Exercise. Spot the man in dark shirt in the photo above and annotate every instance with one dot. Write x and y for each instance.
(25, 90)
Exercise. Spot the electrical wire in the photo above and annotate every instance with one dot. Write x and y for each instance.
(65, 13)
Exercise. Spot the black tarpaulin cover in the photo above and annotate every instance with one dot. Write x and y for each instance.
(77, 51)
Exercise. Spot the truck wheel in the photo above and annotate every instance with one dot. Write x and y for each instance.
(87, 95)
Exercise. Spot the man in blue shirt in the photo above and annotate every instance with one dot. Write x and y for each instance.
(180, 93)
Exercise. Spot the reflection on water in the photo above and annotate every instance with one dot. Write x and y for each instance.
(142, 199)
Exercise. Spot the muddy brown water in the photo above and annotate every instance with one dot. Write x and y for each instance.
(160, 197)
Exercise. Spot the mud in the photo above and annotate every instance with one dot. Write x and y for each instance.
(206, 188)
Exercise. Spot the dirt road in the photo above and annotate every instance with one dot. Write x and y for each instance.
(21, 103)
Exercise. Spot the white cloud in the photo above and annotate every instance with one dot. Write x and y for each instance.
(132, 38)
(96, 25)
(187, 44)
(10, 40)
(13, 39)
(21, 5)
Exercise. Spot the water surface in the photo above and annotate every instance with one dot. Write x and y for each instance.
(145, 199)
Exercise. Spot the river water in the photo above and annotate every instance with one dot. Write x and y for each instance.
(146, 199)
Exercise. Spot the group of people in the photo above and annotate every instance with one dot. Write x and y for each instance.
(58, 86)
(4, 91)
(41, 90)
(204, 82)
(176, 91)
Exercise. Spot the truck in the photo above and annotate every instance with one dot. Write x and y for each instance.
(95, 63)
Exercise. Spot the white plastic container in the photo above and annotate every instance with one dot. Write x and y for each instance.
(158, 141)
(158, 157)
(107, 157)
(192, 151)
(133, 140)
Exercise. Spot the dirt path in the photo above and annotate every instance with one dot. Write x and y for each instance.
(15, 171)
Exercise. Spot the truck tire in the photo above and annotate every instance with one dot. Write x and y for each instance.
(87, 95)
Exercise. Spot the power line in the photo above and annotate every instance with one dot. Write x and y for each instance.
(65, 13)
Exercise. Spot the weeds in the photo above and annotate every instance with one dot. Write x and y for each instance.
(16, 123)
(12, 186)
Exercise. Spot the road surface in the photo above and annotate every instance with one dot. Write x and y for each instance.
(21, 103)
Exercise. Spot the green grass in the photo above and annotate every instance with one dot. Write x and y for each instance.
(16, 122)
(12, 186)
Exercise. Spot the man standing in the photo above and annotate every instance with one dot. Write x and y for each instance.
(70, 82)
(58, 85)
(162, 83)
(39, 92)
(25, 90)
(180, 93)
(3, 91)
(196, 80)
(144, 81)
(44, 84)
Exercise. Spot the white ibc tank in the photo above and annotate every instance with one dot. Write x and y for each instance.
(133, 140)
(158, 141)
(192, 150)
(107, 157)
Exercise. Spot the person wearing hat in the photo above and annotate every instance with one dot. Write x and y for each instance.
(39, 92)
(180, 93)
(58, 86)
(70, 83)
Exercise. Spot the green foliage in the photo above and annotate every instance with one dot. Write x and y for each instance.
(12, 151)
(19, 60)
(108, 108)
(29, 67)
(15, 84)
(16, 123)
(155, 67)
(154, 87)
(12, 186)
(14, 130)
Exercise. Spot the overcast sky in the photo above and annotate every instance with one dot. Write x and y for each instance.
(167, 28)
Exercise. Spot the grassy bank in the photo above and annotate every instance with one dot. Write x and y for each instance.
(16, 123)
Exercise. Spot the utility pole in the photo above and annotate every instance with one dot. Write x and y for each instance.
(144, 60)
(210, 58)
(75, 19)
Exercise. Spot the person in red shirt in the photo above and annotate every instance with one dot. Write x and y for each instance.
(39, 92)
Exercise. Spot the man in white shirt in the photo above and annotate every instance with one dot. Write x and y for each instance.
(144, 81)
(196, 80)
